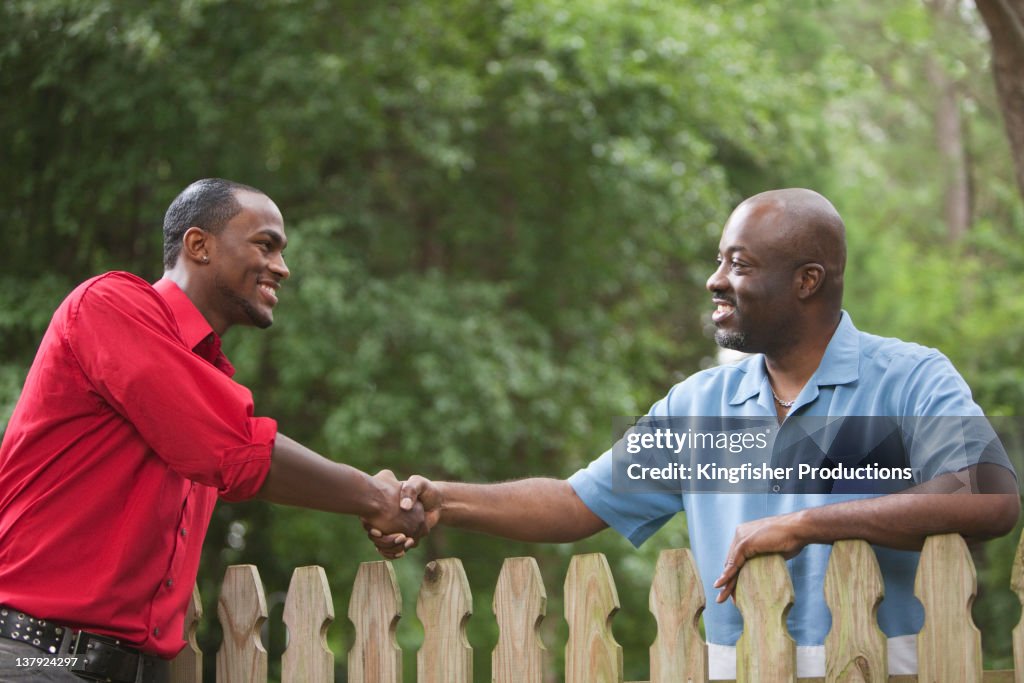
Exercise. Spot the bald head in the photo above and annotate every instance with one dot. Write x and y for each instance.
(778, 288)
(800, 226)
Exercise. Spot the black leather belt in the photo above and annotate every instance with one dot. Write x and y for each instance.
(91, 656)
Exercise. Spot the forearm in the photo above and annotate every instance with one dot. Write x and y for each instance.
(533, 510)
(899, 520)
(904, 521)
(950, 503)
(301, 477)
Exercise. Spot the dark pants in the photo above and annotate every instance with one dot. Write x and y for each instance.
(11, 651)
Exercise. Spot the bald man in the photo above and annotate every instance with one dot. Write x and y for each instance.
(778, 292)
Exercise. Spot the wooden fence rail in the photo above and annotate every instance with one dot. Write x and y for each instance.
(949, 644)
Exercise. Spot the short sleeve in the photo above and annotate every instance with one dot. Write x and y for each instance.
(635, 515)
(944, 429)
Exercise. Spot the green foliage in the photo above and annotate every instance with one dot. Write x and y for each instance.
(502, 215)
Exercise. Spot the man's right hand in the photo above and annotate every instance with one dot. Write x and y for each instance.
(535, 510)
(400, 514)
(416, 494)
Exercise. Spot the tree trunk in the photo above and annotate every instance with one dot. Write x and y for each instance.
(949, 136)
(949, 127)
(1005, 21)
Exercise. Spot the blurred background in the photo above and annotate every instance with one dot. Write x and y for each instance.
(502, 215)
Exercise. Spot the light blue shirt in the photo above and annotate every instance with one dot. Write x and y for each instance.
(859, 375)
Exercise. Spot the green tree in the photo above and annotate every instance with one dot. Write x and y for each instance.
(501, 216)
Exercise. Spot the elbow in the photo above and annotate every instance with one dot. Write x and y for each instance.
(1002, 510)
(585, 522)
(997, 501)
(576, 532)
(1006, 514)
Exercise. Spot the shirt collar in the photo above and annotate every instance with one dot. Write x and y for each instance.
(841, 362)
(839, 365)
(194, 329)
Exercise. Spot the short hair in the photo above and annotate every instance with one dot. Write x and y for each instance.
(208, 204)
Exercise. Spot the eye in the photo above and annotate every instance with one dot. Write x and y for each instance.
(737, 266)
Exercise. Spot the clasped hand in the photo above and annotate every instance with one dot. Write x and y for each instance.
(413, 511)
(416, 510)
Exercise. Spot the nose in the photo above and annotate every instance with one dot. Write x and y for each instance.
(717, 282)
(279, 267)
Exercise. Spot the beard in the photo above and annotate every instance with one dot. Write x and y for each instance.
(256, 317)
(771, 336)
(253, 314)
(736, 341)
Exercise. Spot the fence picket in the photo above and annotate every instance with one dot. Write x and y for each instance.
(308, 611)
(520, 602)
(1017, 584)
(591, 655)
(242, 609)
(677, 600)
(187, 667)
(855, 648)
(949, 644)
(375, 608)
(444, 605)
(764, 593)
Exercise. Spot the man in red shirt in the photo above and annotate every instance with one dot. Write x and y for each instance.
(129, 428)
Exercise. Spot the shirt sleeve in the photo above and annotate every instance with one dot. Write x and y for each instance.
(194, 417)
(944, 429)
(636, 514)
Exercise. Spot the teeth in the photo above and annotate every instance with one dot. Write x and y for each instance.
(725, 308)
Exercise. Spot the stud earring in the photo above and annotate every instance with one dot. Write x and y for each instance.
(206, 259)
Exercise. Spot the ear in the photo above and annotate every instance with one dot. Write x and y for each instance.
(195, 245)
(810, 279)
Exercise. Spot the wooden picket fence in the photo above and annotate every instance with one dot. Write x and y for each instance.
(949, 644)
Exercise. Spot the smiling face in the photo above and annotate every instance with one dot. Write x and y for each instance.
(755, 285)
(247, 264)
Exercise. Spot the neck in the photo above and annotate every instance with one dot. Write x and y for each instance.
(178, 276)
(194, 288)
(789, 369)
(787, 379)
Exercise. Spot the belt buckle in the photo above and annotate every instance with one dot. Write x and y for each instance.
(101, 658)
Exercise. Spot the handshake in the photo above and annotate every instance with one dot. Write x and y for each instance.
(533, 510)
(406, 512)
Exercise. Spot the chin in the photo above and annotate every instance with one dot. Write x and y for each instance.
(261, 321)
(735, 341)
(256, 316)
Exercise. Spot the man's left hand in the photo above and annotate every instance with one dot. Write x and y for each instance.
(779, 534)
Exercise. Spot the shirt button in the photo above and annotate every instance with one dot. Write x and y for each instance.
(156, 632)
(776, 488)
(170, 582)
(184, 533)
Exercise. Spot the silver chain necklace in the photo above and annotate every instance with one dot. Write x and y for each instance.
(784, 404)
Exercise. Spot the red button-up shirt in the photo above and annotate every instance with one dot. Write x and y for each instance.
(128, 428)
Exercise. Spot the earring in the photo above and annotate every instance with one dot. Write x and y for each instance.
(206, 259)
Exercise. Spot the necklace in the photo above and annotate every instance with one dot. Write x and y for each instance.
(784, 404)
